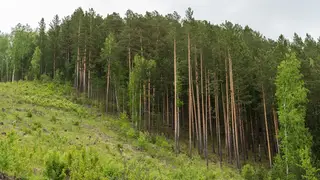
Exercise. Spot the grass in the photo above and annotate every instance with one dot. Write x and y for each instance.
(45, 135)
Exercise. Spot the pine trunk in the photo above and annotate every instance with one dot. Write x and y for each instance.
(216, 99)
(149, 105)
(234, 113)
(168, 120)
(108, 82)
(198, 104)
(175, 97)
(228, 113)
(84, 68)
(202, 106)
(266, 126)
(190, 97)
(209, 114)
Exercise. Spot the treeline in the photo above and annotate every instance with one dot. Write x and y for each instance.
(212, 85)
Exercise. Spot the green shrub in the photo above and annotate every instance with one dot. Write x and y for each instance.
(143, 140)
(27, 130)
(18, 118)
(45, 78)
(306, 165)
(76, 123)
(248, 172)
(162, 142)
(84, 164)
(54, 119)
(29, 114)
(113, 170)
(36, 125)
(131, 133)
(55, 167)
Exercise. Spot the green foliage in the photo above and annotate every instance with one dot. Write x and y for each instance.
(291, 98)
(58, 76)
(310, 171)
(35, 63)
(143, 140)
(55, 166)
(45, 78)
(141, 72)
(162, 142)
(113, 170)
(248, 172)
(29, 114)
(54, 119)
(36, 125)
(84, 164)
(76, 123)
(131, 133)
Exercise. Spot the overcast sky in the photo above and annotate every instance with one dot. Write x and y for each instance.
(270, 17)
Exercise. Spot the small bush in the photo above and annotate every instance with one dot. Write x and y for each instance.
(55, 167)
(76, 123)
(131, 133)
(27, 130)
(45, 78)
(29, 114)
(84, 164)
(54, 119)
(113, 170)
(248, 172)
(162, 142)
(18, 118)
(143, 140)
(36, 125)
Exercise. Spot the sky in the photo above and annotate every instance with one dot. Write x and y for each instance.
(270, 17)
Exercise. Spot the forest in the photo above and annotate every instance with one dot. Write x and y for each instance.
(218, 90)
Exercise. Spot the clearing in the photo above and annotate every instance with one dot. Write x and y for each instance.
(45, 133)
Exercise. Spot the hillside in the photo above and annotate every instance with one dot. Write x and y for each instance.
(45, 134)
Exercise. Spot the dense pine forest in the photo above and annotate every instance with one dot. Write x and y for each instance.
(224, 92)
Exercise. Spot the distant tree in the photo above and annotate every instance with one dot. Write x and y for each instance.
(35, 63)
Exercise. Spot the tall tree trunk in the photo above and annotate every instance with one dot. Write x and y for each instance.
(206, 77)
(275, 119)
(54, 62)
(202, 106)
(108, 82)
(190, 96)
(209, 114)
(84, 68)
(78, 57)
(129, 59)
(195, 117)
(198, 102)
(168, 120)
(224, 119)
(149, 105)
(163, 109)
(216, 99)
(228, 112)
(144, 105)
(252, 134)
(266, 125)
(175, 97)
(13, 72)
(234, 112)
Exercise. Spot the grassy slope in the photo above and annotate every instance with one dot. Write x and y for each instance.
(42, 128)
